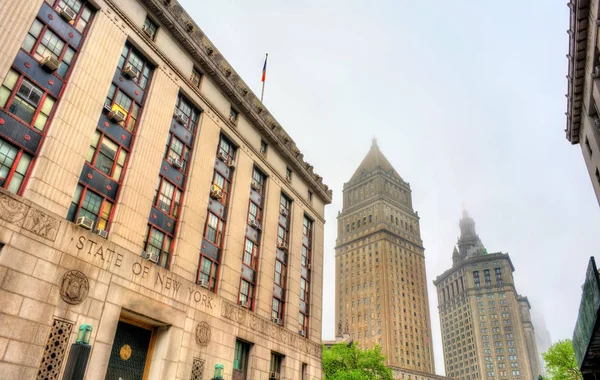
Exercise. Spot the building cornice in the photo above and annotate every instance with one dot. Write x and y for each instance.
(578, 40)
(473, 260)
(190, 37)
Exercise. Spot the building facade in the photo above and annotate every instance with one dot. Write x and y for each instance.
(381, 287)
(147, 192)
(486, 327)
(583, 92)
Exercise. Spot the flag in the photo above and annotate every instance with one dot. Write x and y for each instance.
(264, 72)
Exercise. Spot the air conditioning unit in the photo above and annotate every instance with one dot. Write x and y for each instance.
(233, 119)
(50, 63)
(274, 375)
(307, 266)
(176, 162)
(181, 118)
(283, 246)
(244, 303)
(222, 156)
(107, 108)
(302, 333)
(204, 283)
(596, 72)
(255, 186)
(67, 13)
(154, 256)
(145, 255)
(254, 223)
(102, 233)
(283, 211)
(231, 164)
(597, 124)
(276, 320)
(117, 115)
(216, 192)
(84, 222)
(130, 71)
(147, 31)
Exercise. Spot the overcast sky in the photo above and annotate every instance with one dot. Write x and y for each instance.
(467, 100)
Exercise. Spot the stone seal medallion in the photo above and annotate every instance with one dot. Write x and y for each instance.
(74, 287)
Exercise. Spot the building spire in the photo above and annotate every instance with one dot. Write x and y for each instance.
(469, 243)
(374, 142)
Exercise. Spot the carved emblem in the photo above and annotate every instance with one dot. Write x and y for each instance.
(202, 333)
(254, 322)
(41, 224)
(74, 287)
(240, 315)
(11, 209)
(125, 352)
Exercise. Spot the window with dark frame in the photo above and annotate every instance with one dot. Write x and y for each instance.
(83, 12)
(288, 174)
(233, 115)
(240, 358)
(215, 225)
(106, 155)
(150, 28)
(275, 365)
(263, 147)
(196, 77)
(14, 165)
(131, 58)
(303, 315)
(283, 229)
(310, 196)
(42, 42)
(588, 146)
(89, 204)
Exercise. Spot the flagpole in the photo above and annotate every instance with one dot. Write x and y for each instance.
(262, 93)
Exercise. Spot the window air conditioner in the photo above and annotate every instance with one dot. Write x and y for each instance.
(145, 255)
(130, 71)
(302, 333)
(50, 63)
(244, 303)
(254, 223)
(223, 157)
(216, 192)
(307, 266)
(596, 72)
(283, 211)
(231, 164)
(117, 115)
(276, 320)
(102, 233)
(176, 162)
(203, 283)
(181, 118)
(255, 186)
(154, 256)
(67, 13)
(84, 222)
(274, 375)
(233, 119)
(283, 246)
(147, 31)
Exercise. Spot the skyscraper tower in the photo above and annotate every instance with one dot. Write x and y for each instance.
(487, 331)
(381, 287)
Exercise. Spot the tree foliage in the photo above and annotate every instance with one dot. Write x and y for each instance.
(561, 363)
(348, 362)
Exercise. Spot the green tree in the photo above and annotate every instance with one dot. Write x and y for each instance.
(561, 363)
(348, 362)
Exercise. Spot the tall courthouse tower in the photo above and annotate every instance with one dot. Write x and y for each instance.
(381, 287)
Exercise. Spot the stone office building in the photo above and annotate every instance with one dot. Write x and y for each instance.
(487, 331)
(146, 191)
(381, 286)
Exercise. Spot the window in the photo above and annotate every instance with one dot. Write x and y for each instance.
(196, 77)
(14, 164)
(302, 324)
(167, 197)
(476, 279)
(588, 146)
(258, 181)
(275, 365)
(226, 149)
(233, 115)
(118, 100)
(190, 113)
(177, 150)
(106, 156)
(277, 310)
(223, 184)
(150, 28)
(130, 57)
(249, 253)
(288, 174)
(42, 42)
(246, 294)
(214, 229)
(240, 358)
(279, 273)
(26, 101)
(304, 371)
(159, 243)
(208, 272)
(310, 196)
(88, 204)
(304, 290)
(83, 12)
(263, 147)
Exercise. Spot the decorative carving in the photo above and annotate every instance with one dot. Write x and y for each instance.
(12, 210)
(197, 369)
(202, 333)
(74, 287)
(56, 346)
(41, 224)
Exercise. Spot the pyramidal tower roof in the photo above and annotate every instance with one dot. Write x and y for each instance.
(373, 160)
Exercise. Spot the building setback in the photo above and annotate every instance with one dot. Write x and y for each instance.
(381, 287)
(487, 331)
(147, 192)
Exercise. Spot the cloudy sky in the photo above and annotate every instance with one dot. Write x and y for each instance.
(467, 101)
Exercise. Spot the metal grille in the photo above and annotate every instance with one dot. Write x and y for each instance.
(197, 369)
(55, 350)
(129, 352)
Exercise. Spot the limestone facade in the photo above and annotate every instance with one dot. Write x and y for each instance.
(485, 330)
(154, 198)
(381, 286)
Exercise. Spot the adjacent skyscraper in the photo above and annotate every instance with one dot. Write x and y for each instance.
(381, 287)
(486, 327)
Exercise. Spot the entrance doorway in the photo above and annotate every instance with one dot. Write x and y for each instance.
(131, 352)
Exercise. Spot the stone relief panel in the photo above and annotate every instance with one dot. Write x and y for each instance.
(267, 328)
(74, 287)
(13, 210)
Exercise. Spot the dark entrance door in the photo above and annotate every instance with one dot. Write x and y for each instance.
(129, 353)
